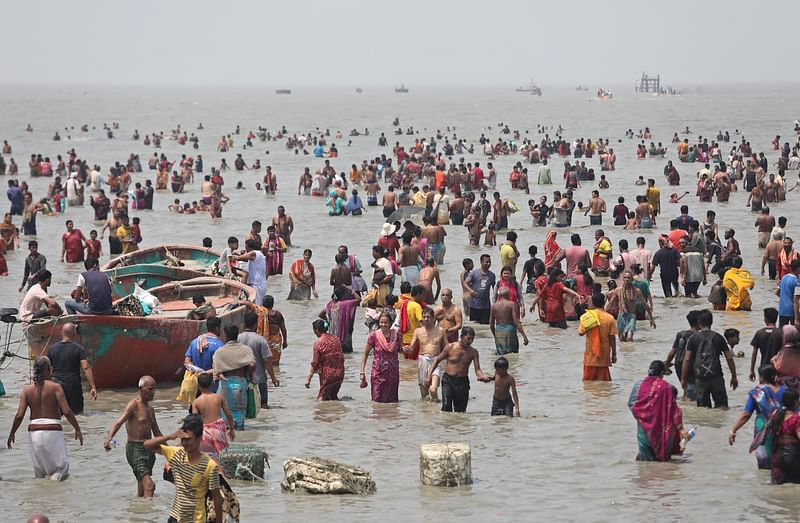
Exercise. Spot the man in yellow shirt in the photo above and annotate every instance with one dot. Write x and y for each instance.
(601, 342)
(125, 235)
(411, 318)
(194, 471)
(509, 253)
(653, 194)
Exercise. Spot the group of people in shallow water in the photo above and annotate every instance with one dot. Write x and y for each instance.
(407, 257)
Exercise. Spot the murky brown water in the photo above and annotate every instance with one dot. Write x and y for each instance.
(570, 456)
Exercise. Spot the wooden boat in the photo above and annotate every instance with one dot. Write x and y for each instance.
(122, 349)
(186, 256)
(147, 276)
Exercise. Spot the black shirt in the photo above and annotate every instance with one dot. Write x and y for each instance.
(680, 343)
(768, 342)
(717, 342)
(65, 357)
(668, 260)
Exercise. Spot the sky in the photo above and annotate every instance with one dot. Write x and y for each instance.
(384, 42)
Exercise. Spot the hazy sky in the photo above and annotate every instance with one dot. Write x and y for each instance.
(419, 42)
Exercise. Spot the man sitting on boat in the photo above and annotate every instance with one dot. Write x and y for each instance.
(92, 294)
(202, 309)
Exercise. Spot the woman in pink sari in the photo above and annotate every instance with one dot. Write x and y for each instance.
(341, 314)
(385, 376)
(658, 417)
(273, 249)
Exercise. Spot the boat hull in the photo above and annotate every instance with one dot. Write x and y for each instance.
(194, 257)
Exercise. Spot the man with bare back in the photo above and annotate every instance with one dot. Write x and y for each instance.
(504, 324)
(48, 403)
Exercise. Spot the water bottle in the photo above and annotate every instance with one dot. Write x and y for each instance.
(692, 434)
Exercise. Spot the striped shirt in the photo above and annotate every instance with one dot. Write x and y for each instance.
(192, 483)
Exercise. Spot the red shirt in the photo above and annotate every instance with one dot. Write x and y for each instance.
(675, 237)
(391, 244)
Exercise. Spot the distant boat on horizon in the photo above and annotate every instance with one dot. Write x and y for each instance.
(602, 94)
(401, 89)
(359, 90)
(581, 88)
(530, 88)
(283, 91)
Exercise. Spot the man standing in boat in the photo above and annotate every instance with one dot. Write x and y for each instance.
(95, 286)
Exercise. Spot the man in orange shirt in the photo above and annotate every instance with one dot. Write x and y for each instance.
(675, 234)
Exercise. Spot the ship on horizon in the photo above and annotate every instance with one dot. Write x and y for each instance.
(530, 88)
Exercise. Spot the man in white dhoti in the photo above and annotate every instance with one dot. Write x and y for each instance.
(47, 403)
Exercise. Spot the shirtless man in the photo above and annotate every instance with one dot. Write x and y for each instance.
(645, 216)
(47, 402)
(771, 252)
(449, 316)
(270, 181)
(408, 260)
(624, 299)
(255, 233)
(597, 206)
(306, 181)
(207, 189)
(114, 243)
(504, 324)
(765, 223)
(139, 419)
(284, 225)
(209, 405)
(429, 340)
(340, 275)
(435, 234)
(427, 276)
(390, 203)
(455, 380)
(372, 189)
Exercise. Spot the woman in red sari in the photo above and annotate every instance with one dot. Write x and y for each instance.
(328, 362)
(514, 290)
(273, 249)
(302, 278)
(553, 253)
(550, 300)
(385, 376)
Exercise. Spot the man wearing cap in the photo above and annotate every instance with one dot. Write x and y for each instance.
(388, 240)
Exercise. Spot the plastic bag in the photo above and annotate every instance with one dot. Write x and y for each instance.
(189, 387)
(147, 299)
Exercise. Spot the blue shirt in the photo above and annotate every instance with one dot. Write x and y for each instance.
(319, 151)
(789, 284)
(204, 360)
(354, 203)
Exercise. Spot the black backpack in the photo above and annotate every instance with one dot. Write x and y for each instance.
(706, 359)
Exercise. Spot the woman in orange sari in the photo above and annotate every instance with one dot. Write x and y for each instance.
(553, 253)
(302, 278)
(9, 233)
